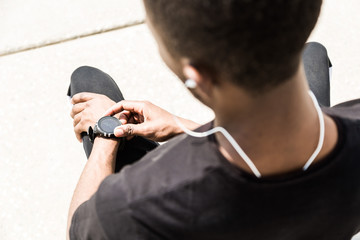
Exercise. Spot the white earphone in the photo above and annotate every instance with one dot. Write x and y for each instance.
(190, 83)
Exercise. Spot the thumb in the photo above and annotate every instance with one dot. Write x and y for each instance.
(127, 130)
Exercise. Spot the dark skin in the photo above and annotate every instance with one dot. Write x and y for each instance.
(279, 129)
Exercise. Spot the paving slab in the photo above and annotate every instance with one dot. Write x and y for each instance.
(34, 23)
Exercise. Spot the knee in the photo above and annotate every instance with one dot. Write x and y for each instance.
(80, 72)
(316, 47)
(79, 79)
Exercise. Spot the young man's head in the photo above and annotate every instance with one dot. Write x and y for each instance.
(255, 44)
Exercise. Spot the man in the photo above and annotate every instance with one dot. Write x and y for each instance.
(280, 168)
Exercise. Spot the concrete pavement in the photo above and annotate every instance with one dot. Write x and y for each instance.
(44, 41)
(30, 24)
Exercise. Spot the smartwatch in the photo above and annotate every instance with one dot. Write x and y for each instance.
(104, 128)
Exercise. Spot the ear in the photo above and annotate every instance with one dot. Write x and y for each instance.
(204, 86)
(192, 73)
(202, 80)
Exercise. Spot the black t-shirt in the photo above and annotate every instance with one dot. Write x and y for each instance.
(186, 189)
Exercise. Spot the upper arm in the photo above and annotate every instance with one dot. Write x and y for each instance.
(85, 223)
(106, 215)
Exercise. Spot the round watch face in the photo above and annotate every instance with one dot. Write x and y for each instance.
(108, 124)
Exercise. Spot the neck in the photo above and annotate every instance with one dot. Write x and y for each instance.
(278, 130)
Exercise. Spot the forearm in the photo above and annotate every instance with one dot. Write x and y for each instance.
(187, 123)
(100, 164)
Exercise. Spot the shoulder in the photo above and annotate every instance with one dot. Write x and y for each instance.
(347, 110)
(347, 118)
(346, 154)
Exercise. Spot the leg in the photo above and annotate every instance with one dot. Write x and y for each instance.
(316, 63)
(89, 79)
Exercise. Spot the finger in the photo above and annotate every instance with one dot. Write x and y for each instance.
(78, 136)
(138, 118)
(132, 120)
(130, 130)
(132, 106)
(83, 97)
(77, 108)
(78, 129)
(124, 117)
(77, 119)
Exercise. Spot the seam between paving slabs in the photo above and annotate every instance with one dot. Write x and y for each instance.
(69, 38)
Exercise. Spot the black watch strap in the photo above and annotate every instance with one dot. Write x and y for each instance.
(91, 134)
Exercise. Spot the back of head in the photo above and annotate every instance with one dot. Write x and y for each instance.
(255, 44)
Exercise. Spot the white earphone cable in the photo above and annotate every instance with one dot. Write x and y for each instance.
(322, 131)
(228, 137)
(243, 154)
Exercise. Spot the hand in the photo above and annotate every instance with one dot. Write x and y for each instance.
(146, 119)
(87, 110)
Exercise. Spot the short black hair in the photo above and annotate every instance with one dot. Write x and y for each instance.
(256, 44)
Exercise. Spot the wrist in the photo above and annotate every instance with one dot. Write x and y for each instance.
(106, 145)
(105, 150)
